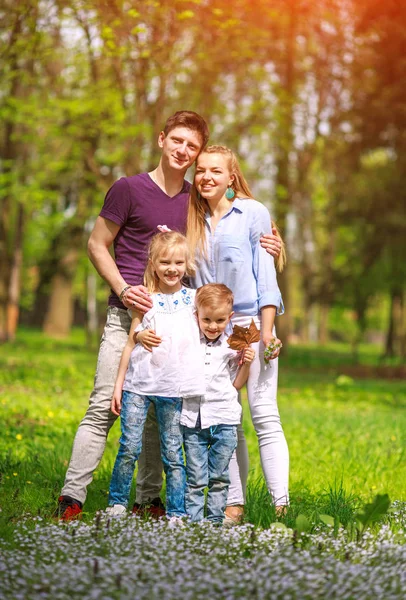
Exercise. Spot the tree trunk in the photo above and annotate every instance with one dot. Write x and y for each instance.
(323, 330)
(283, 181)
(58, 320)
(395, 334)
(14, 289)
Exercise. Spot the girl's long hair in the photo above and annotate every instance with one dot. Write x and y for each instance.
(198, 206)
(163, 245)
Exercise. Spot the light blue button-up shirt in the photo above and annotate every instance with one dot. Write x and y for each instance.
(235, 258)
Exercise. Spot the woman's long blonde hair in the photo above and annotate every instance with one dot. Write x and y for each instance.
(198, 206)
(163, 245)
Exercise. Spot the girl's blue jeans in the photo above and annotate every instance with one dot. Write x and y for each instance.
(134, 410)
(208, 454)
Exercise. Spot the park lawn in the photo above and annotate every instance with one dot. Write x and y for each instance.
(344, 435)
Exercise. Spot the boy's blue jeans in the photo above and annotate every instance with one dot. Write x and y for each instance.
(208, 454)
(134, 409)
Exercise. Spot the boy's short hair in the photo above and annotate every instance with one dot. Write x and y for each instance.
(213, 294)
(191, 120)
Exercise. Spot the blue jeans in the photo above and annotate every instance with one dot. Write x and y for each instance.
(208, 454)
(134, 410)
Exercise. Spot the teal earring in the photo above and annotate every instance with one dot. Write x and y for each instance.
(230, 193)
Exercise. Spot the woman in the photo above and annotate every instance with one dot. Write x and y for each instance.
(224, 226)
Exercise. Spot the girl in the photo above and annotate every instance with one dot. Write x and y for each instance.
(223, 230)
(161, 367)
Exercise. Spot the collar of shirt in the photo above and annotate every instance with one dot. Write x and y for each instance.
(237, 205)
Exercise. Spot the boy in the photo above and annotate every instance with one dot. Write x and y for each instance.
(210, 423)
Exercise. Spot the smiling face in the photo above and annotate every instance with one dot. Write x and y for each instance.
(170, 268)
(213, 319)
(213, 175)
(180, 147)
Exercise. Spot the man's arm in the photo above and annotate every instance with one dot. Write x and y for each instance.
(102, 237)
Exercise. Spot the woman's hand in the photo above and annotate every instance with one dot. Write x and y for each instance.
(147, 338)
(115, 405)
(138, 298)
(271, 242)
(273, 347)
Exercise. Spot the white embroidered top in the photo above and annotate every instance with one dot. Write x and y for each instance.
(174, 368)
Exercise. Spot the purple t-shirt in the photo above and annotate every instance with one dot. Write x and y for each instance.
(138, 205)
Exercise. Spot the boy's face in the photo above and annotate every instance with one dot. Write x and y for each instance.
(180, 147)
(213, 319)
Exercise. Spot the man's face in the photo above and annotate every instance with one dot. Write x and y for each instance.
(213, 319)
(180, 147)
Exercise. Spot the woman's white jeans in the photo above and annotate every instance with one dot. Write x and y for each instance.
(262, 398)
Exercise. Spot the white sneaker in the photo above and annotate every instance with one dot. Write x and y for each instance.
(117, 510)
(176, 522)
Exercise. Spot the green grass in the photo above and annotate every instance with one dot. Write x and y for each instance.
(347, 437)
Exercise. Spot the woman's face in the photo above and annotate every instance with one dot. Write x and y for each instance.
(212, 176)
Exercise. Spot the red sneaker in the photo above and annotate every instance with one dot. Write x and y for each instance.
(68, 509)
(154, 509)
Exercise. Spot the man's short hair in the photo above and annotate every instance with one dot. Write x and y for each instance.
(191, 120)
(214, 294)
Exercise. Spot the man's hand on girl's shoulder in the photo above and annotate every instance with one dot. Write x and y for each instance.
(137, 297)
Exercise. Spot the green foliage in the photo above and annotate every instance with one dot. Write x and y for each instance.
(372, 512)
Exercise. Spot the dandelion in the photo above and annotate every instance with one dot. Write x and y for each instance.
(15, 474)
(19, 437)
(50, 414)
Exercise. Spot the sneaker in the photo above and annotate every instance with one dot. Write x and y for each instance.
(68, 509)
(233, 515)
(117, 510)
(155, 509)
(176, 521)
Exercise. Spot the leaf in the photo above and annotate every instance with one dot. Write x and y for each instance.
(302, 524)
(327, 520)
(374, 511)
(278, 525)
(242, 337)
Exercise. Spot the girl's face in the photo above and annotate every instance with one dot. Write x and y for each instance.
(213, 176)
(170, 267)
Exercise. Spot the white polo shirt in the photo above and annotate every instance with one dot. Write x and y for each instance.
(219, 405)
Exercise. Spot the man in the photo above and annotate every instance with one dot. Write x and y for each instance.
(133, 209)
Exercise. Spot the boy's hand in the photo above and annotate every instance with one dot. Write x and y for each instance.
(271, 243)
(248, 356)
(138, 298)
(148, 339)
(115, 406)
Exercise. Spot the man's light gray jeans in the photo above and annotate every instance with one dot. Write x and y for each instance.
(91, 436)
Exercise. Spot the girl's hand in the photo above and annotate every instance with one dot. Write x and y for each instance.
(115, 405)
(273, 347)
(248, 356)
(148, 339)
